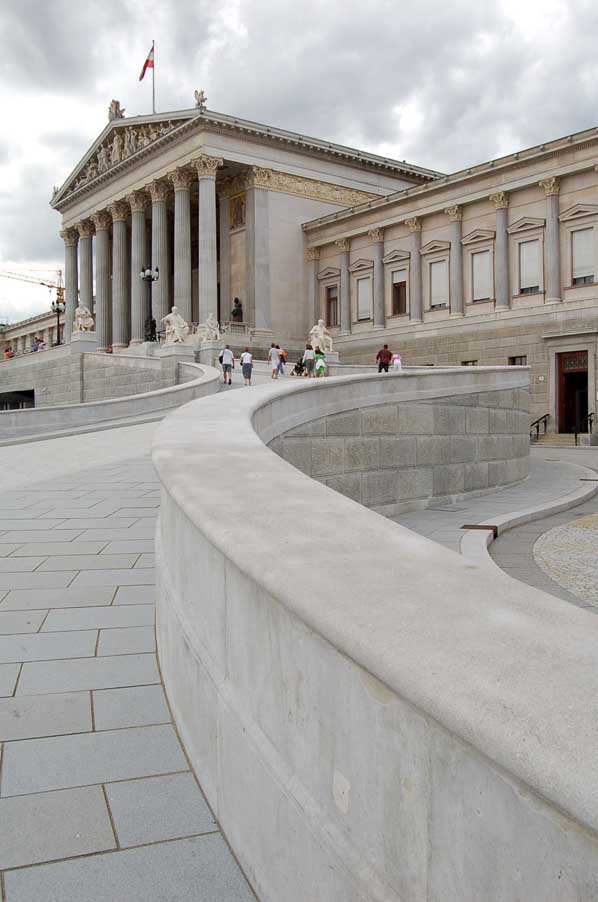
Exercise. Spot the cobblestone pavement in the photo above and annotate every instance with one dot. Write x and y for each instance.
(97, 800)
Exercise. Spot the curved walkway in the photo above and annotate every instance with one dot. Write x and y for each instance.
(97, 800)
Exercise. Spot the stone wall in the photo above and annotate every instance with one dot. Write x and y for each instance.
(115, 376)
(394, 456)
(54, 375)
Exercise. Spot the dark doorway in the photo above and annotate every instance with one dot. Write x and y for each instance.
(572, 390)
(17, 400)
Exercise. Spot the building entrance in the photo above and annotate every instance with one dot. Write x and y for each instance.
(572, 390)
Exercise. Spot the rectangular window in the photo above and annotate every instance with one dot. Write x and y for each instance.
(438, 284)
(529, 267)
(582, 256)
(480, 276)
(332, 305)
(364, 298)
(518, 361)
(399, 292)
(469, 363)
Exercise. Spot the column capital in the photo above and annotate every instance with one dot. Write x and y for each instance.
(454, 213)
(500, 200)
(207, 166)
(414, 224)
(119, 211)
(102, 221)
(312, 253)
(551, 186)
(376, 235)
(343, 244)
(70, 237)
(158, 191)
(182, 179)
(137, 201)
(85, 228)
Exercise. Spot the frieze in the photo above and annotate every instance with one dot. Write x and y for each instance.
(295, 184)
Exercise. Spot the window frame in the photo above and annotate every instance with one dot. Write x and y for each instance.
(522, 231)
(435, 252)
(360, 270)
(334, 286)
(396, 261)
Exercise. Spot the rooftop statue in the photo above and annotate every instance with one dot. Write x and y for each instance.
(115, 111)
(200, 100)
(177, 329)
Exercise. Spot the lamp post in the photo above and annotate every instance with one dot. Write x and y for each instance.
(58, 308)
(149, 275)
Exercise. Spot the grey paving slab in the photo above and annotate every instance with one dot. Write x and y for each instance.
(58, 548)
(20, 514)
(134, 595)
(140, 512)
(84, 562)
(47, 646)
(97, 512)
(38, 765)
(30, 716)
(158, 808)
(134, 707)
(19, 564)
(145, 577)
(7, 549)
(144, 501)
(28, 523)
(93, 522)
(146, 561)
(99, 618)
(140, 546)
(54, 825)
(116, 535)
(41, 535)
(127, 640)
(20, 621)
(36, 580)
(8, 678)
(30, 599)
(108, 672)
(201, 869)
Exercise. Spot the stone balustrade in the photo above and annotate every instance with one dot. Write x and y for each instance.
(370, 715)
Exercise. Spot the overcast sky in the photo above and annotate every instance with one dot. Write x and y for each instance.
(441, 84)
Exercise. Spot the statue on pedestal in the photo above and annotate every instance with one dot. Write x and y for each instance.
(236, 313)
(210, 330)
(319, 336)
(115, 111)
(177, 329)
(83, 321)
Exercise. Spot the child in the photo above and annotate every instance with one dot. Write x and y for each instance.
(396, 362)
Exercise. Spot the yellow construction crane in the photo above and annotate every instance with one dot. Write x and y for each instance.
(57, 286)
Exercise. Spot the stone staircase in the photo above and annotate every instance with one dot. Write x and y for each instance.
(556, 440)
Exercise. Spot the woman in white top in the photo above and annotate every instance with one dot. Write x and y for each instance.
(274, 358)
(309, 359)
(246, 365)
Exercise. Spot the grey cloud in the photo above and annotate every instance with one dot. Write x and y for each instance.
(28, 227)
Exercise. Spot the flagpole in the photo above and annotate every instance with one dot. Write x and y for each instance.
(154, 79)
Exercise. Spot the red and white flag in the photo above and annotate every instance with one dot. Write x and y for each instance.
(148, 64)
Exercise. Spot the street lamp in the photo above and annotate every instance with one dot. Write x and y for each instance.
(146, 274)
(58, 308)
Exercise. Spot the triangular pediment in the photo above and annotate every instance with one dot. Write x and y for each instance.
(330, 272)
(360, 265)
(122, 143)
(396, 256)
(435, 247)
(525, 223)
(478, 235)
(578, 211)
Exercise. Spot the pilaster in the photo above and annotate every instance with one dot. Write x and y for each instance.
(344, 246)
(415, 288)
(376, 236)
(312, 256)
(501, 258)
(455, 215)
(552, 187)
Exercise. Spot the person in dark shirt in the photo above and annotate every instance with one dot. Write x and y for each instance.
(383, 358)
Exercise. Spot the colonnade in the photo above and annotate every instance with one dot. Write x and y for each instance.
(123, 300)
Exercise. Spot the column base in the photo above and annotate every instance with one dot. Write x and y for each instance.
(83, 343)
(119, 349)
(553, 300)
(457, 314)
(179, 350)
(501, 308)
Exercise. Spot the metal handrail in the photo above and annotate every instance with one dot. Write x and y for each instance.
(588, 421)
(543, 420)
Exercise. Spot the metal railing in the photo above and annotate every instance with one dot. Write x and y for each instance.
(541, 421)
(586, 422)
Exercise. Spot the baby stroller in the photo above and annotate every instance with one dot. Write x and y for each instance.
(299, 368)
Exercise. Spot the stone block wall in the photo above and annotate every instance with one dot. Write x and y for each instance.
(391, 457)
(112, 377)
(54, 376)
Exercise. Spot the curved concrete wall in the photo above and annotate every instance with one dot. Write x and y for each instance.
(195, 382)
(371, 717)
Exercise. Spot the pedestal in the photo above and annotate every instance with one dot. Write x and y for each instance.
(209, 351)
(332, 357)
(170, 356)
(83, 343)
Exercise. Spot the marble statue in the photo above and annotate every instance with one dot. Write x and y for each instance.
(115, 111)
(103, 159)
(130, 142)
(117, 149)
(320, 336)
(177, 329)
(210, 330)
(83, 321)
(200, 100)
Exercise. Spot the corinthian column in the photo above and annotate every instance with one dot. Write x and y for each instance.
(85, 230)
(501, 263)
(377, 236)
(102, 222)
(208, 256)
(455, 215)
(415, 289)
(552, 188)
(139, 260)
(224, 238)
(344, 245)
(312, 256)
(71, 239)
(161, 287)
(182, 180)
(120, 295)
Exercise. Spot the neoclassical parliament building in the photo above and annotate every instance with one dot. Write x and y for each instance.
(495, 264)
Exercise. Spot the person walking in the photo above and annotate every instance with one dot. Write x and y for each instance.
(309, 359)
(283, 359)
(227, 359)
(383, 358)
(247, 365)
(320, 362)
(396, 362)
(274, 358)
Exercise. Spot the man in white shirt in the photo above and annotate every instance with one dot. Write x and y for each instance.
(274, 358)
(227, 360)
